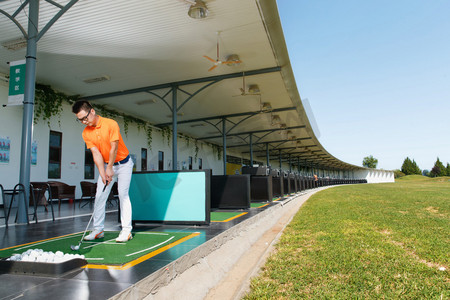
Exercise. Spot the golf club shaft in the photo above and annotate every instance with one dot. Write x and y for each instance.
(104, 187)
(84, 233)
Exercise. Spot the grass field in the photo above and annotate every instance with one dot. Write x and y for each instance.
(364, 242)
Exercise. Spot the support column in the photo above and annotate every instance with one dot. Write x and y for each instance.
(174, 128)
(279, 157)
(224, 139)
(267, 155)
(251, 150)
(28, 107)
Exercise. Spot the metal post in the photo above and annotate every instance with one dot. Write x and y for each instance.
(290, 165)
(267, 155)
(224, 138)
(279, 157)
(251, 150)
(28, 107)
(174, 128)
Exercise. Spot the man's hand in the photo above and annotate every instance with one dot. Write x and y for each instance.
(112, 157)
(109, 173)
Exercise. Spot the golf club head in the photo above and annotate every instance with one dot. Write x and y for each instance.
(75, 248)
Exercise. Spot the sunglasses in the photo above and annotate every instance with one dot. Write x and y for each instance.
(84, 119)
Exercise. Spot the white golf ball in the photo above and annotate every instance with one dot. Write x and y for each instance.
(25, 257)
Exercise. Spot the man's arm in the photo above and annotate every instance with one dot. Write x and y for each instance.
(112, 158)
(99, 162)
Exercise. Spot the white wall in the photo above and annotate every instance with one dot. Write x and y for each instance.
(375, 176)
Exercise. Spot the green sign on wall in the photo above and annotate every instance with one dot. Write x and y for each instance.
(16, 82)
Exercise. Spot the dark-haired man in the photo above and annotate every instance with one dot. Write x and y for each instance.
(111, 156)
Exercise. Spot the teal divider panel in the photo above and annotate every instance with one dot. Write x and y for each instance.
(171, 196)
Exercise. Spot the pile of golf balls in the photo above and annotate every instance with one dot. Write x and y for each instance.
(39, 255)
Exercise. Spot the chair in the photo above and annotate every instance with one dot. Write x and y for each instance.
(37, 197)
(2, 193)
(61, 190)
(18, 188)
(88, 190)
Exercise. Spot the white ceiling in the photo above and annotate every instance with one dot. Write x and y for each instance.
(146, 43)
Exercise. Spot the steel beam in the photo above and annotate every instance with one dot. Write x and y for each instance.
(270, 142)
(181, 83)
(250, 113)
(287, 148)
(248, 132)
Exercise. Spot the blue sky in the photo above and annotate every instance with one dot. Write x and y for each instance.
(376, 74)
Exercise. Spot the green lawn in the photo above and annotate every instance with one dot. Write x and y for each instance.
(365, 242)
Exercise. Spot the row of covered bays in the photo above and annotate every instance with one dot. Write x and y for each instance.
(263, 184)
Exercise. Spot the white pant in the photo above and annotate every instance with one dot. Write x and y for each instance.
(122, 174)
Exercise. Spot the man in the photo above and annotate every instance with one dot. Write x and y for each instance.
(111, 156)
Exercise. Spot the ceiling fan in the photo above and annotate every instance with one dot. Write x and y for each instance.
(217, 62)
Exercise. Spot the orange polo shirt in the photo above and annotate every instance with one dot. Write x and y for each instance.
(101, 136)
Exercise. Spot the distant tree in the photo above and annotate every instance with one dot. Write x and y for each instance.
(398, 174)
(426, 173)
(370, 162)
(410, 167)
(407, 166)
(438, 169)
(416, 168)
(435, 171)
(448, 169)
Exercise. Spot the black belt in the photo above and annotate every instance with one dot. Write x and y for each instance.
(123, 161)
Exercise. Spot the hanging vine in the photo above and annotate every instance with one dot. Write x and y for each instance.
(196, 150)
(217, 150)
(166, 133)
(148, 132)
(219, 153)
(49, 104)
(187, 140)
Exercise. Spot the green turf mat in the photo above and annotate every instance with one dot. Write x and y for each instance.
(105, 250)
(258, 204)
(220, 216)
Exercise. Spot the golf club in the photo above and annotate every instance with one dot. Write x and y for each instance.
(77, 247)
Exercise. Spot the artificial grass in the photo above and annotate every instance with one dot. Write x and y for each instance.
(104, 251)
(258, 204)
(222, 216)
(364, 242)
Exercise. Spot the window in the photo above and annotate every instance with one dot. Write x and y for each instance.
(160, 160)
(190, 162)
(89, 166)
(200, 163)
(54, 155)
(143, 159)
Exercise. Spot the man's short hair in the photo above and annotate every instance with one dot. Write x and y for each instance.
(81, 105)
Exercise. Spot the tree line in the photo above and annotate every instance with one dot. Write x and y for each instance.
(410, 167)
